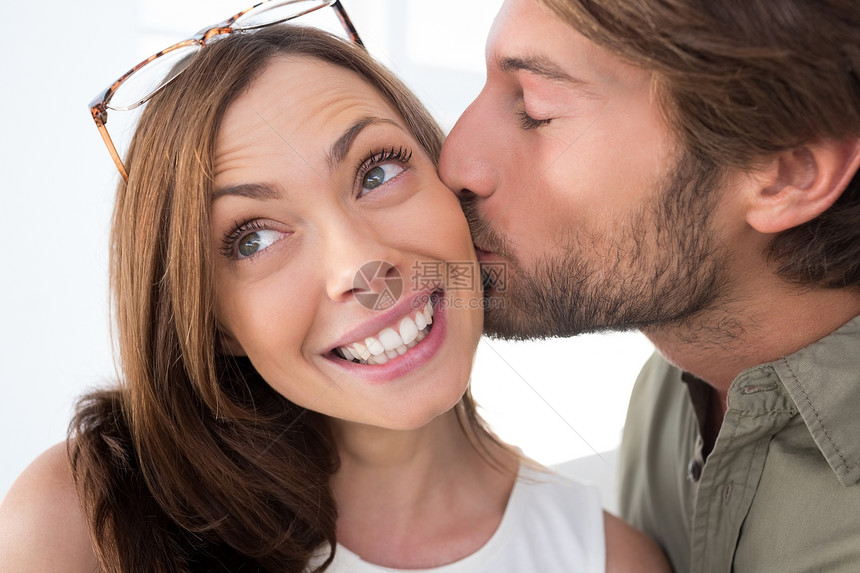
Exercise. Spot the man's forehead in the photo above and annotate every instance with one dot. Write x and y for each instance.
(528, 36)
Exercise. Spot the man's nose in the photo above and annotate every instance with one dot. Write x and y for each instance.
(466, 165)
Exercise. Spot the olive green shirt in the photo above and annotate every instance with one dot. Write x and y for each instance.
(780, 492)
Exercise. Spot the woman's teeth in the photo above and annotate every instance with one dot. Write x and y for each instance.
(392, 341)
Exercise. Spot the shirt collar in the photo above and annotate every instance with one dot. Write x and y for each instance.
(823, 380)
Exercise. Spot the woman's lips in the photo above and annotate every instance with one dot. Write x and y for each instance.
(380, 320)
(392, 341)
(416, 357)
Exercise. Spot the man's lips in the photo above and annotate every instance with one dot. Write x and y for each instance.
(484, 254)
(481, 249)
(486, 258)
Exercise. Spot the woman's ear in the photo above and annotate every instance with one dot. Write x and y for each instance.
(229, 344)
(798, 185)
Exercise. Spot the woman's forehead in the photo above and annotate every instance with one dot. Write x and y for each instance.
(308, 91)
(299, 105)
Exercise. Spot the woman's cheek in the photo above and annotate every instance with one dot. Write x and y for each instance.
(446, 216)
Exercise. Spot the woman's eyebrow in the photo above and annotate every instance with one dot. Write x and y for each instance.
(340, 148)
(336, 154)
(258, 191)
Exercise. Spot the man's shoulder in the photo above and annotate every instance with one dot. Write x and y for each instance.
(658, 409)
(657, 369)
(658, 441)
(658, 386)
(41, 523)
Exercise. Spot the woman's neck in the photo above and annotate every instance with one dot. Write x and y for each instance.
(419, 498)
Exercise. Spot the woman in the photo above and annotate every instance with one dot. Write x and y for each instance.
(270, 417)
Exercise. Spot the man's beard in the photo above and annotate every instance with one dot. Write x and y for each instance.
(662, 268)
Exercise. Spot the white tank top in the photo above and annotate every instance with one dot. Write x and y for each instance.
(551, 525)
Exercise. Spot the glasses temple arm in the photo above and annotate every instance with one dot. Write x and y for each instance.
(347, 23)
(111, 147)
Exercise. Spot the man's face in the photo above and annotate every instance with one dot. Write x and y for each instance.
(571, 180)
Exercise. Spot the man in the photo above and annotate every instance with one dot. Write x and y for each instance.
(689, 169)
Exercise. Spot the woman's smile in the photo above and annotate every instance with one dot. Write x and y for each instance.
(405, 345)
(393, 340)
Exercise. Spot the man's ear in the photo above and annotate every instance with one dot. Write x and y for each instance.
(798, 185)
(228, 343)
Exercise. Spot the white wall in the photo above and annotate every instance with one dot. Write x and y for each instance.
(557, 400)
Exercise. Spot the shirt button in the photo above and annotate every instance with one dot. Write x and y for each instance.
(694, 471)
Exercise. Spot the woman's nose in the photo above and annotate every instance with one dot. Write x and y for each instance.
(360, 261)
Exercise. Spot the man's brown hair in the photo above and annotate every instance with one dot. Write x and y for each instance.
(740, 80)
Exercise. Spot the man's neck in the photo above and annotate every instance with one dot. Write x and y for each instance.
(753, 329)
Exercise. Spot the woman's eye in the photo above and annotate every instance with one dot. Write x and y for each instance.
(379, 175)
(253, 243)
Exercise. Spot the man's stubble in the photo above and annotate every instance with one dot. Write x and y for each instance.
(661, 266)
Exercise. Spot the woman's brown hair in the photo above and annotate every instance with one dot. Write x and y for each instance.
(740, 80)
(193, 462)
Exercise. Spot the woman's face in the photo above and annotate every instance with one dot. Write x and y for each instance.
(323, 199)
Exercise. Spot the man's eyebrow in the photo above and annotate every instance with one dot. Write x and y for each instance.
(340, 148)
(258, 191)
(537, 65)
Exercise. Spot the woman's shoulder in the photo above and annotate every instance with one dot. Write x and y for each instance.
(42, 527)
(628, 550)
(547, 490)
(575, 509)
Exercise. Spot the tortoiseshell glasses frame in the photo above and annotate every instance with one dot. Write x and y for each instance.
(266, 13)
